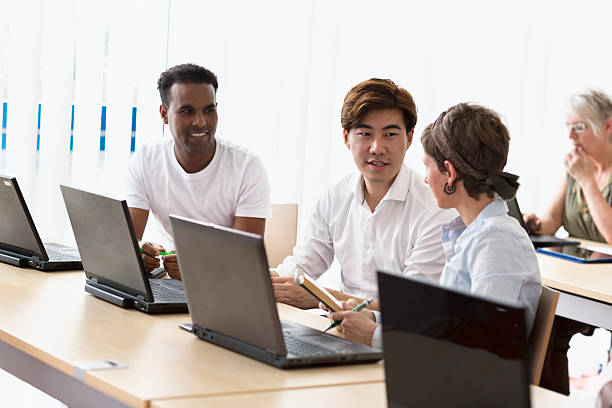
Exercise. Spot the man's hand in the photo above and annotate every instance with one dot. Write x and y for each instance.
(356, 326)
(171, 266)
(286, 291)
(579, 166)
(532, 222)
(150, 254)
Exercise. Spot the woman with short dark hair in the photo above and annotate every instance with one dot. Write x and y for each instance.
(487, 251)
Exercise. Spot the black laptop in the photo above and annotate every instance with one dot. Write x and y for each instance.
(538, 240)
(445, 348)
(231, 301)
(111, 258)
(20, 243)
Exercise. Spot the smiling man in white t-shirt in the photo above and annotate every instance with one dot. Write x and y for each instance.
(194, 174)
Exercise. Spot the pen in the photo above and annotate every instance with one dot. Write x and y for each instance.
(357, 308)
(161, 252)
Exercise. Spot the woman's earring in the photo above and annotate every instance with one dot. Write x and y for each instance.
(449, 189)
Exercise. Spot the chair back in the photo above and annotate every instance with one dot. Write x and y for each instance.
(540, 334)
(281, 232)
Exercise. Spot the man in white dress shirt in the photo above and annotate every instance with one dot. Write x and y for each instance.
(383, 217)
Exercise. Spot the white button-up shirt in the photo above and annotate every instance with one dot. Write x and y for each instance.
(401, 235)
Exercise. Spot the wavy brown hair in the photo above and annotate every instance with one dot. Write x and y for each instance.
(477, 142)
(375, 94)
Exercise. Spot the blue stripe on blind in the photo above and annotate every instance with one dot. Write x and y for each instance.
(4, 125)
(102, 127)
(38, 130)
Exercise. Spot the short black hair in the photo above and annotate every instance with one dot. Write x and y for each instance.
(184, 73)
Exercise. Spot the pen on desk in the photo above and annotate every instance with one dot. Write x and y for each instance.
(357, 308)
(160, 252)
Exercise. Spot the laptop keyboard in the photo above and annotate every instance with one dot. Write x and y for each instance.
(162, 293)
(301, 348)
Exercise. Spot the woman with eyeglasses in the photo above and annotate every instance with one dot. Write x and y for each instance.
(583, 205)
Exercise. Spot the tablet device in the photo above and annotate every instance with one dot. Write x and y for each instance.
(577, 254)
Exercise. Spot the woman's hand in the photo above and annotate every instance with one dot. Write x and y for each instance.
(532, 222)
(579, 166)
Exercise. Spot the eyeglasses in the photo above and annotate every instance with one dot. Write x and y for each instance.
(578, 127)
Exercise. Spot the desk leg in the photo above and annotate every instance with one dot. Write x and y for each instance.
(585, 310)
(53, 382)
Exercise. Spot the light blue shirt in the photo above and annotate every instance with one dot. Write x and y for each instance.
(492, 257)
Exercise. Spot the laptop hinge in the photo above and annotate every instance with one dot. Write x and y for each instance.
(140, 298)
(93, 280)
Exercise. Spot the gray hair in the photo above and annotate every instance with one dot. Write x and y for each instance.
(594, 105)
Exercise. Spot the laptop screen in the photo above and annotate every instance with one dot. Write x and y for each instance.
(17, 231)
(106, 241)
(448, 348)
(227, 283)
(515, 211)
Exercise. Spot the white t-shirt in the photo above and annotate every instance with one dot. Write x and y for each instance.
(234, 184)
(402, 235)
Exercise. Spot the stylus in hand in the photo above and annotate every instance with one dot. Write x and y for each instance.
(357, 308)
(162, 253)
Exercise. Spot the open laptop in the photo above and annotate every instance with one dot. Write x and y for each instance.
(111, 257)
(20, 243)
(445, 348)
(231, 301)
(538, 240)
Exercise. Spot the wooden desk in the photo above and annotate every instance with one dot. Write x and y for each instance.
(344, 396)
(586, 289)
(48, 322)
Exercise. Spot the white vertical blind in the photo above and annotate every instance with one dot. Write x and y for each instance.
(88, 84)
(322, 123)
(295, 64)
(284, 69)
(23, 91)
(191, 41)
(151, 46)
(3, 51)
(266, 70)
(58, 29)
(120, 81)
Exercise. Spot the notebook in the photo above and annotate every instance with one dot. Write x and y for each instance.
(231, 301)
(20, 243)
(538, 240)
(445, 348)
(111, 258)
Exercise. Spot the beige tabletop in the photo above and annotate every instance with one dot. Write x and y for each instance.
(344, 396)
(50, 317)
(593, 281)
